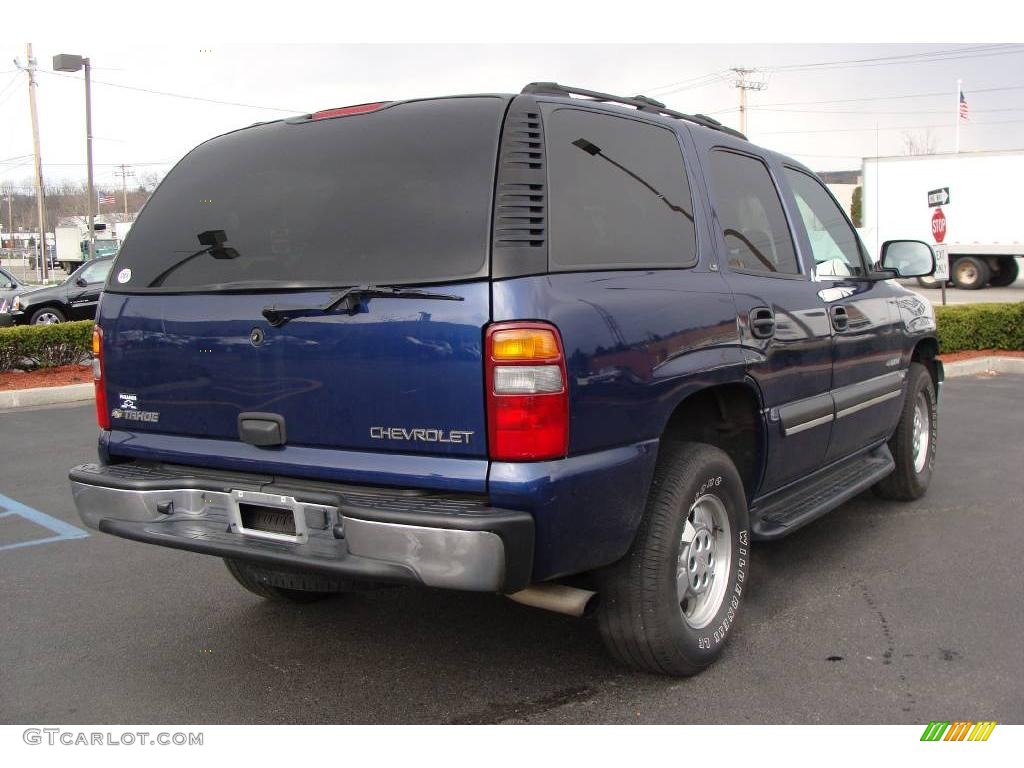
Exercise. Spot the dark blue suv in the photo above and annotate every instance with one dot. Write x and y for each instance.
(578, 349)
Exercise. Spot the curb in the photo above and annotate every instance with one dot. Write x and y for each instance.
(981, 366)
(24, 398)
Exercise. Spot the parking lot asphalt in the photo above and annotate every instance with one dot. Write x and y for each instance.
(1011, 293)
(879, 612)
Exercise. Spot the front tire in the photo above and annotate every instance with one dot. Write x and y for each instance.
(913, 443)
(46, 316)
(669, 604)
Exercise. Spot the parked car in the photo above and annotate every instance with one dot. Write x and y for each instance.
(74, 299)
(577, 349)
(10, 286)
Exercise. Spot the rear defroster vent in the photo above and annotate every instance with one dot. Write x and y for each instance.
(521, 203)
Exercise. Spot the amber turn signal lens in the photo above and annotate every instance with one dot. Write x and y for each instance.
(524, 344)
(96, 340)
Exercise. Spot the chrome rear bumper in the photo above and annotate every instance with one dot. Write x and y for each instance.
(453, 542)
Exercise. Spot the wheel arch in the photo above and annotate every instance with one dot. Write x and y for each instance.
(926, 352)
(729, 416)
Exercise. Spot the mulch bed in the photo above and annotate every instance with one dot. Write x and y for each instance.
(46, 377)
(955, 357)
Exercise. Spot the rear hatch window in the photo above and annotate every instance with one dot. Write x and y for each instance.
(400, 195)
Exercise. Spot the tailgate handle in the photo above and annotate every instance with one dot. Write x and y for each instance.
(262, 429)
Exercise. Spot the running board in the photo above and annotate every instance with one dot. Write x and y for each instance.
(784, 511)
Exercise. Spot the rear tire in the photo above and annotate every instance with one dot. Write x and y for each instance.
(914, 442)
(970, 273)
(1007, 274)
(669, 604)
(282, 585)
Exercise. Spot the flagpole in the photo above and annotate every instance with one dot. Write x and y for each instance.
(959, 90)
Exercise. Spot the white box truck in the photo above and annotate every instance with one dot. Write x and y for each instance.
(968, 199)
(73, 242)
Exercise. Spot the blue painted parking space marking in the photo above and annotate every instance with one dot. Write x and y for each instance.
(61, 531)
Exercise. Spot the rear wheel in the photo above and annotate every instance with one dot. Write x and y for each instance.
(914, 441)
(1007, 274)
(929, 282)
(669, 604)
(970, 273)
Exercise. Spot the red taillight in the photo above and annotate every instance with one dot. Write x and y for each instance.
(102, 414)
(357, 109)
(527, 392)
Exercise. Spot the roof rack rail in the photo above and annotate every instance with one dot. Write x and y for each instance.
(642, 103)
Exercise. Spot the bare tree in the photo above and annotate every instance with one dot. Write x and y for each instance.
(919, 142)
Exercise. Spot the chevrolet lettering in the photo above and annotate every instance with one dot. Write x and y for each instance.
(421, 435)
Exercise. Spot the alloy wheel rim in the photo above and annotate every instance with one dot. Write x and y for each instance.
(47, 318)
(705, 557)
(922, 435)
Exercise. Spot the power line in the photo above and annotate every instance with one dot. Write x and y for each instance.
(183, 96)
(872, 112)
(909, 58)
(876, 98)
(888, 128)
(686, 85)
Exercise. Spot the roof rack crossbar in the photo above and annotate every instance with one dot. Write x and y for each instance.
(642, 103)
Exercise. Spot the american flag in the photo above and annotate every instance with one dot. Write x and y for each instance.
(963, 106)
(105, 199)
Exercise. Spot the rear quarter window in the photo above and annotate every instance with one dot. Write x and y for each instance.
(619, 196)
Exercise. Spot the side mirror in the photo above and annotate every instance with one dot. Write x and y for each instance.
(80, 282)
(908, 258)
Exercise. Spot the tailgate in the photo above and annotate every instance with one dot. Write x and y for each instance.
(405, 375)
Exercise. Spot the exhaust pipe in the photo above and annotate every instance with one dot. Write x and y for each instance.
(559, 598)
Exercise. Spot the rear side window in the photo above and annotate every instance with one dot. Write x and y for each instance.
(619, 197)
(754, 227)
(402, 195)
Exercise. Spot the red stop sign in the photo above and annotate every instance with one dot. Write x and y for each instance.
(939, 225)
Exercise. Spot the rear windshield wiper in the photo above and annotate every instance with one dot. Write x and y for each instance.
(349, 301)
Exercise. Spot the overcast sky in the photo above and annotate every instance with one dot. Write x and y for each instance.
(150, 131)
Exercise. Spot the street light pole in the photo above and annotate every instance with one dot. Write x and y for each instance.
(65, 62)
(91, 192)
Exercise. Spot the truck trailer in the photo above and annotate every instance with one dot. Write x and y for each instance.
(965, 201)
(73, 242)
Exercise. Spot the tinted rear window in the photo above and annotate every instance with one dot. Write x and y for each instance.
(619, 193)
(402, 195)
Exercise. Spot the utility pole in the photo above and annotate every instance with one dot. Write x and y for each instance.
(30, 69)
(10, 220)
(124, 172)
(744, 83)
(959, 90)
